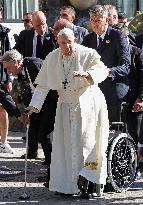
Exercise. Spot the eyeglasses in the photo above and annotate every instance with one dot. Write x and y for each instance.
(26, 20)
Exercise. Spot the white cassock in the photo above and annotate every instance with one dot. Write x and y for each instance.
(81, 130)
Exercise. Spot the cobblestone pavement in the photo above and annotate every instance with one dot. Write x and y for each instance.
(12, 182)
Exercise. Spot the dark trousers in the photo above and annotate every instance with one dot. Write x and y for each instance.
(135, 124)
(114, 112)
(115, 108)
(41, 125)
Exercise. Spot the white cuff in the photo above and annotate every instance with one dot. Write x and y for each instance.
(38, 98)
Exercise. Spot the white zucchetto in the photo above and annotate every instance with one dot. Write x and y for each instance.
(66, 32)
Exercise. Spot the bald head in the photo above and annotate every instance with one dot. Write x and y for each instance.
(39, 22)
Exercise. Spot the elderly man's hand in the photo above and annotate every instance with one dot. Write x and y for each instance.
(24, 118)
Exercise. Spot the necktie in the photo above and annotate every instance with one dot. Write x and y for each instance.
(38, 47)
(99, 41)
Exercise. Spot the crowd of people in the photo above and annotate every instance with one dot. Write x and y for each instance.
(73, 83)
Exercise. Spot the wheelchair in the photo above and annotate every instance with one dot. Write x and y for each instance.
(121, 161)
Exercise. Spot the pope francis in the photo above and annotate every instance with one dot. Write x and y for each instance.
(81, 130)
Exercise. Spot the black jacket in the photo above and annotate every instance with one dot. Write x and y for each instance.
(114, 52)
(5, 46)
(136, 75)
(25, 43)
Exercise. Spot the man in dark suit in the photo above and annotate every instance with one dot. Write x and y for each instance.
(27, 41)
(68, 12)
(139, 40)
(113, 48)
(115, 18)
(37, 42)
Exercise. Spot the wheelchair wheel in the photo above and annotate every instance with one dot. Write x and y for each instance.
(122, 162)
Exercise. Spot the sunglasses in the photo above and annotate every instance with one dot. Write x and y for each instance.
(26, 20)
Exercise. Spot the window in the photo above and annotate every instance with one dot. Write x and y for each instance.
(125, 5)
(141, 6)
(13, 10)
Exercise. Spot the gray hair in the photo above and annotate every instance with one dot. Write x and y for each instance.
(98, 10)
(12, 55)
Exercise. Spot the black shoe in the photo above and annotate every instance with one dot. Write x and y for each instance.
(108, 188)
(35, 156)
(62, 194)
(45, 163)
(42, 179)
(24, 138)
(46, 184)
(85, 195)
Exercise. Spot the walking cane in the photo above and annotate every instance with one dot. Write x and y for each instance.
(25, 195)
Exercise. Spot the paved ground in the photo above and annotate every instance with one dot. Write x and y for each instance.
(12, 182)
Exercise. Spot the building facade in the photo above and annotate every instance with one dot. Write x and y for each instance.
(11, 11)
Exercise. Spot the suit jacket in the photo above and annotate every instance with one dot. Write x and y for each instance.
(25, 46)
(25, 43)
(136, 75)
(139, 40)
(115, 54)
(79, 33)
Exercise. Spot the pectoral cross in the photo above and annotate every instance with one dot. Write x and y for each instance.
(65, 83)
